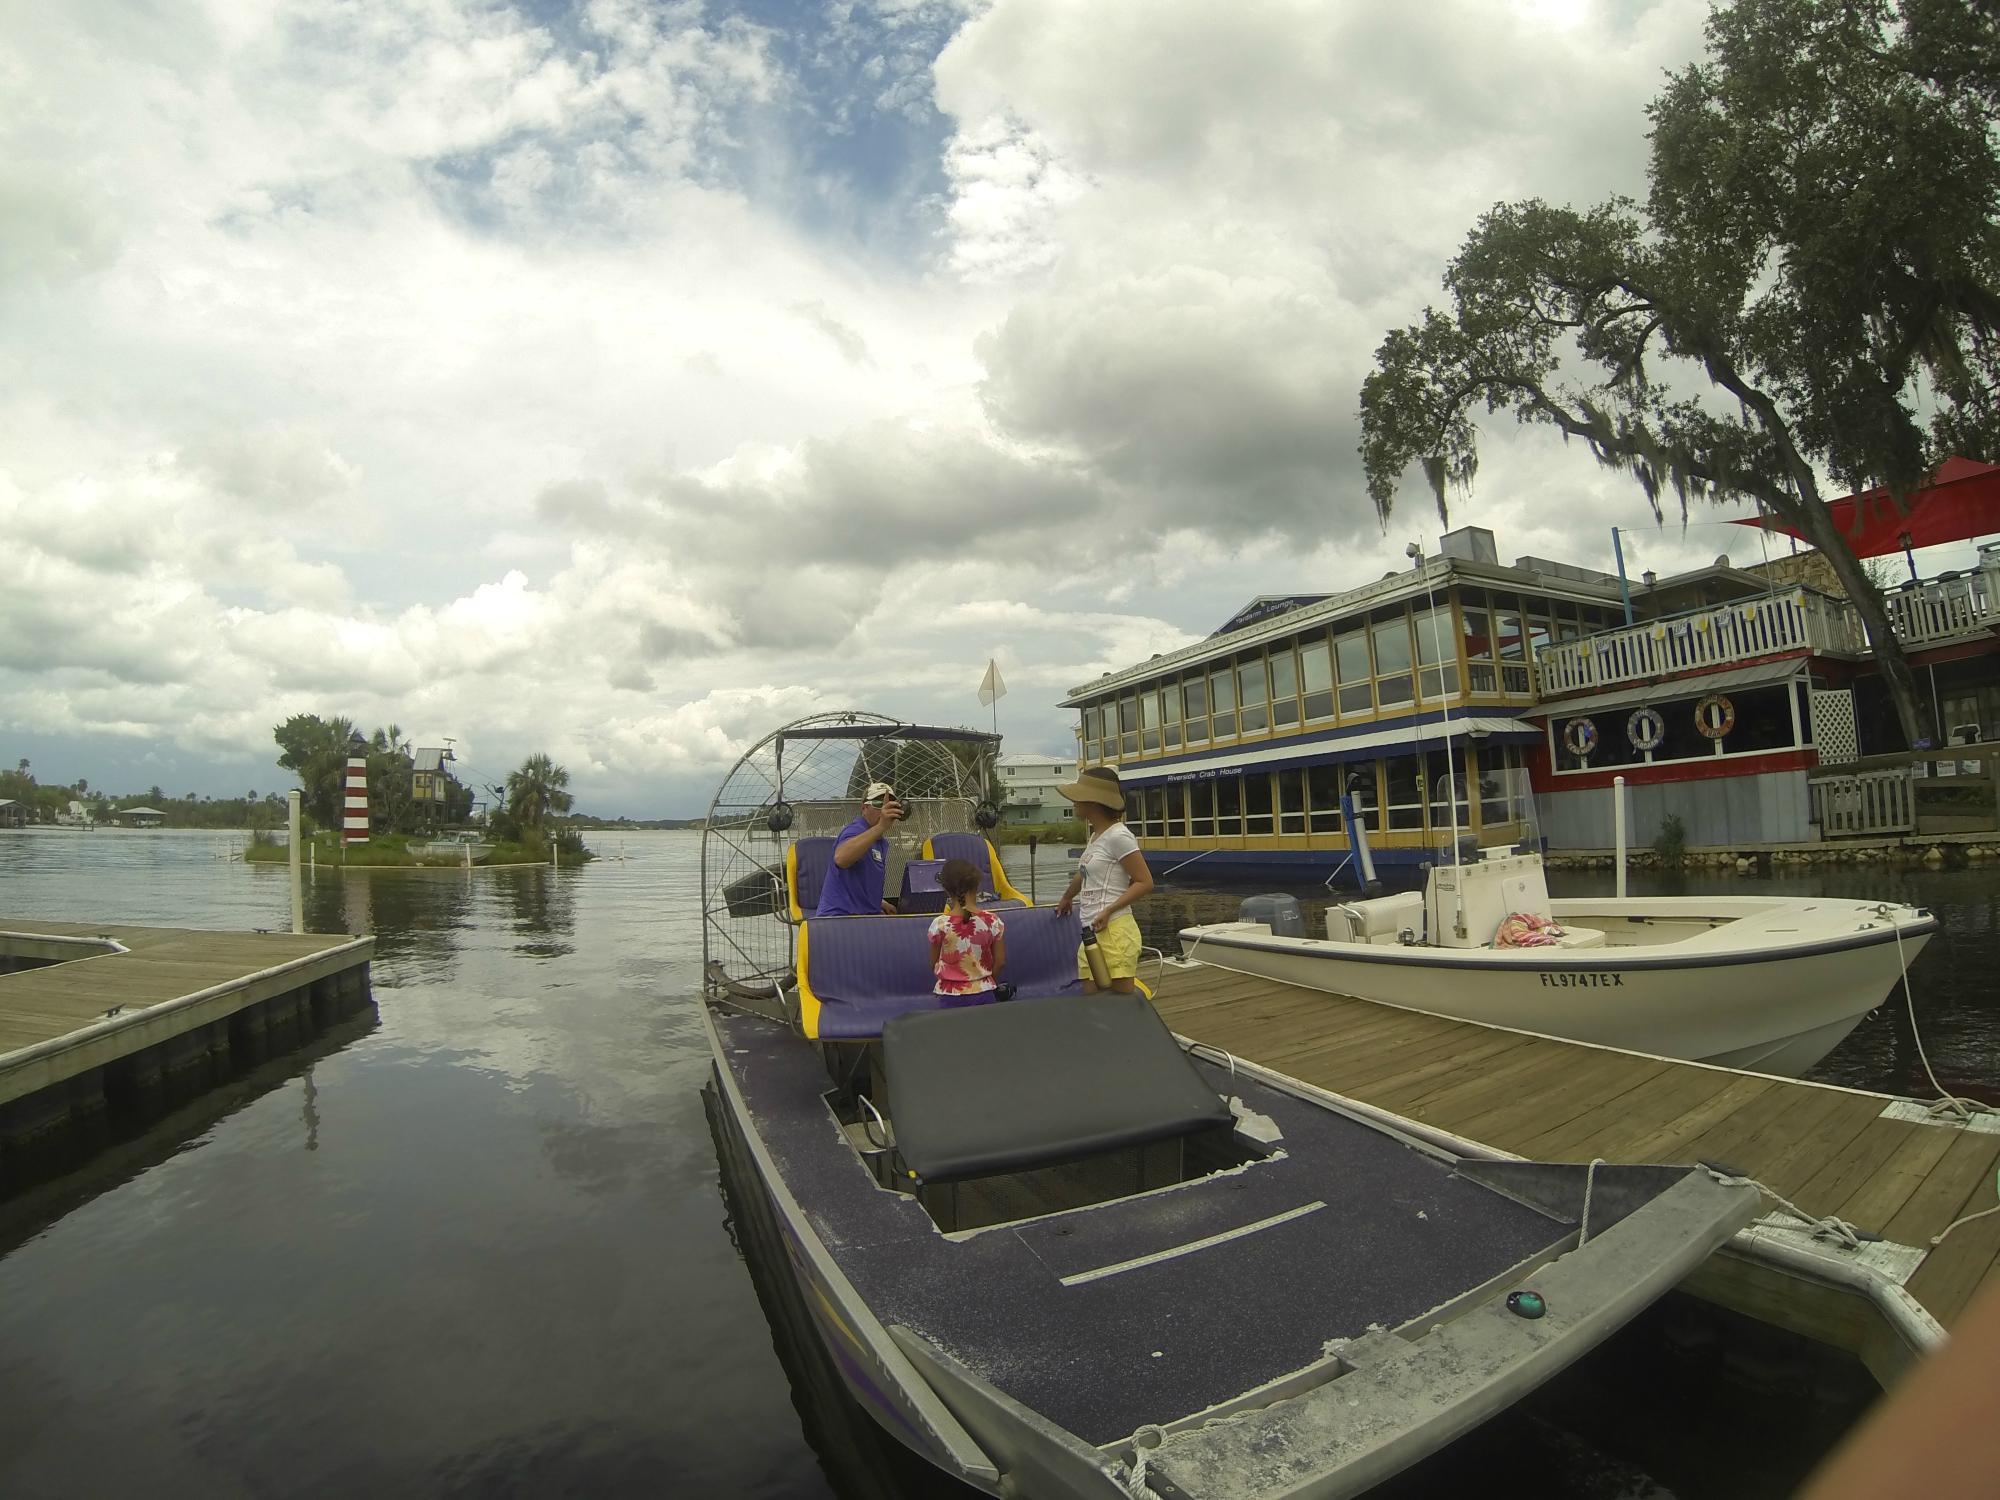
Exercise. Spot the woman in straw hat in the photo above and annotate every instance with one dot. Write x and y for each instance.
(1111, 876)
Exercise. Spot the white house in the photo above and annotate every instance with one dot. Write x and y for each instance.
(1028, 787)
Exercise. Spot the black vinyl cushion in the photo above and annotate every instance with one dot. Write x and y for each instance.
(1002, 1088)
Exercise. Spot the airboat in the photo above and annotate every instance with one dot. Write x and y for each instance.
(1053, 1249)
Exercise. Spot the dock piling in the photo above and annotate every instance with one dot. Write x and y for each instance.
(1618, 828)
(292, 859)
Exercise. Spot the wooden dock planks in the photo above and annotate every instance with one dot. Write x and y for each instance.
(113, 1003)
(1827, 1149)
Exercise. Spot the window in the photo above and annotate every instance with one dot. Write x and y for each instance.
(1441, 793)
(1498, 767)
(1177, 822)
(1128, 725)
(1149, 716)
(1086, 733)
(1316, 677)
(1291, 802)
(1391, 639)
(1284, 687)
(1480, 675)
(1436, 654)
(1405, 777)
(1194, 692)
(1367, 805)
(1156, 811)
(1323, 793)
(1229, 806)
(1541, 630)
(1170, 702)
(1222, 701)
(1511, 635)
(1201, 809)
(1350, 655)
(1250, 692)
(1257, 802)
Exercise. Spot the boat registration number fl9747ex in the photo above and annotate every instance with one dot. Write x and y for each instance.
(1582, 981)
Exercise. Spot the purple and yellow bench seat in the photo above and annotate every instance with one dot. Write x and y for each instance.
(979, 849)
(855, 973)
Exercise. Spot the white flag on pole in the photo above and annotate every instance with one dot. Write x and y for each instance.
(991, 688)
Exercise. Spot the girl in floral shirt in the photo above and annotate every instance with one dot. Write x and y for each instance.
(968, 945)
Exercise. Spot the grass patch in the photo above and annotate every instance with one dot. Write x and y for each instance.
(1063, 831)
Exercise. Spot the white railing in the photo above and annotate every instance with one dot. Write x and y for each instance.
(1944, 607)
(1870, 802)
(1717, 636)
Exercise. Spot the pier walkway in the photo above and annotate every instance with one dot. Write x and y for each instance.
(1830, 1150)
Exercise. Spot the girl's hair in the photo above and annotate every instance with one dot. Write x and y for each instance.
(959, 879)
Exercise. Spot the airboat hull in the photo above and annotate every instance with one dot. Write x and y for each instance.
(1767, 984)
(1022, 1358)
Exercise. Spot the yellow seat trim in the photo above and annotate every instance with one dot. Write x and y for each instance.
(808, 1002)
(792, 881)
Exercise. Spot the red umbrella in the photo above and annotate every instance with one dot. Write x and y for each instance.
(1961, 501)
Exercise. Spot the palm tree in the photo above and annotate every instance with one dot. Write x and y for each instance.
(537, 790)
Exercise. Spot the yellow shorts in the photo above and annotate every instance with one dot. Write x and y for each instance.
(1119, 943)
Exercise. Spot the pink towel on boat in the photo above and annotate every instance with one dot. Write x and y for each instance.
(1525, 930)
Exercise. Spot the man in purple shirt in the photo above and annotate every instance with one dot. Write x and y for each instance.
(854, 881)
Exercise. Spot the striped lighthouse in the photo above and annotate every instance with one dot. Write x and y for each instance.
(354, 817)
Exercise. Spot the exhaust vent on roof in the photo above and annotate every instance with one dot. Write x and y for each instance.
(1469, 544)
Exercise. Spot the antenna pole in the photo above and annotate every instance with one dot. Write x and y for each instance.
(1416, 552)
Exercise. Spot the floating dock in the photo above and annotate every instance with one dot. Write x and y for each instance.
(103, 1028)
(1867, 1158)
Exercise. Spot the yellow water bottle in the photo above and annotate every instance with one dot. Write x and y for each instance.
(1100, 972)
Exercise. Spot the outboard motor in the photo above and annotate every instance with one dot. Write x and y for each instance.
(1279, 913)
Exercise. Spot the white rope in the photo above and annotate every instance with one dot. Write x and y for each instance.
(1135, 1472)
(1947, 1103)
(1829, 1226)
(1589, 1187)
(869, 1105)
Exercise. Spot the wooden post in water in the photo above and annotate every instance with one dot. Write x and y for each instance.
(1618, 829)
(292, 859)
(1031, 869)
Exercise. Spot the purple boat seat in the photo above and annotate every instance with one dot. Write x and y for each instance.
(855, 973)
(973, 846)
(806, 864)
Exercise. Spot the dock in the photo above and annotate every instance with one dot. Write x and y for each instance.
(1867, 1158)
(104, 1027)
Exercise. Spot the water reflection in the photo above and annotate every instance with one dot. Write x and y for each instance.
(25, 1214)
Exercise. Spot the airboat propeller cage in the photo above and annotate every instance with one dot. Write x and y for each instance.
(805, 781)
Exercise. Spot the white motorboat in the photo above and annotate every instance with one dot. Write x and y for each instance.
(1771, 983)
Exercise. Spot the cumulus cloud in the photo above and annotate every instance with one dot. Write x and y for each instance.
(618, 381)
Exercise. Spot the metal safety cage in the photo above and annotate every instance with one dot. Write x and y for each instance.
(805, 781)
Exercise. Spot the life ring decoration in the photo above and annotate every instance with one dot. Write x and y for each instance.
(1714, 716)
(1581, 737)
(1646, 729)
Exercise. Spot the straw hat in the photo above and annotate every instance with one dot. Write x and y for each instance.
(1099, 785)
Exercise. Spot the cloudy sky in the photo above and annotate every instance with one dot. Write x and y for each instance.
(622, 379)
